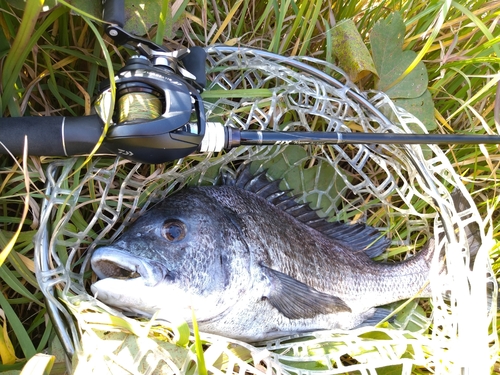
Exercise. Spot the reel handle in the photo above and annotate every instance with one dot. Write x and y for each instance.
(50, 135)
(113, 11)
(194, 62)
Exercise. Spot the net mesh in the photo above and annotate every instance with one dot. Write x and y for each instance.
(404, 190)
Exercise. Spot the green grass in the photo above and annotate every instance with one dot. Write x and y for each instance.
(52, 63)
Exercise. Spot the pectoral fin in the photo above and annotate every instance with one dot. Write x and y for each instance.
(296, 300)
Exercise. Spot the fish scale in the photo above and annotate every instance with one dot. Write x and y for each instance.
(253, 264)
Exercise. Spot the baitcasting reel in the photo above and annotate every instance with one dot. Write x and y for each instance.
(159, 114)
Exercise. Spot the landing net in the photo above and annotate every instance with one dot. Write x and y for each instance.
(403, 190)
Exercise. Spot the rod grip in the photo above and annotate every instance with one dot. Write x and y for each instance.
(113, 11)
(50, 135)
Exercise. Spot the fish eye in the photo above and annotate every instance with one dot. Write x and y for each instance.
(173, 230)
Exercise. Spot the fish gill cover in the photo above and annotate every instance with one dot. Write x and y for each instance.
(404, 191)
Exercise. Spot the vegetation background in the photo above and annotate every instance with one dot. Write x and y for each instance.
(52, 61)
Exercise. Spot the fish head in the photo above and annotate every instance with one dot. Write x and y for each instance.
(185, 254)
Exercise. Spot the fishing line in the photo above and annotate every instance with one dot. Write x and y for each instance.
(138, 107)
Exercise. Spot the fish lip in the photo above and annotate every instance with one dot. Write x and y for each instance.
(113, 262)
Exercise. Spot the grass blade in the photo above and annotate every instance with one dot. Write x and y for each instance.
(17, 326)
(202, 369)
(6, 251)
(178, 9)
(164, 21)
(17, 54)
(40, 364)
(10, 280)
(7, 353)
(311, 21)
(227, 21)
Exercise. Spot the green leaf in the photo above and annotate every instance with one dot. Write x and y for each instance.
(320, 185)
(391, 62)
(139, 16)
(21, 48)
(350, 50)
(92, 8)
(181, 333)
(412, 318)
(164, 21)
(422, 107)
(20, 4)
(57, 351)
(209, 177)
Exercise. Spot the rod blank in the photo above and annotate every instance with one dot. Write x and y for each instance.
(249, 137)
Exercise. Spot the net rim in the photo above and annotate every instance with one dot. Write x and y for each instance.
(57, 171)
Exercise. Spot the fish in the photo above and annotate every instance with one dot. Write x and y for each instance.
(253, 264)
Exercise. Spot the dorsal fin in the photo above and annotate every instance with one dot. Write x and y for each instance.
(358, 237)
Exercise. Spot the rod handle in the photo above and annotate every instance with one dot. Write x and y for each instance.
(50, 135)
(113, 11)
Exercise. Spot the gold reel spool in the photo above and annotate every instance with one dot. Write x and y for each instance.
(138, 107)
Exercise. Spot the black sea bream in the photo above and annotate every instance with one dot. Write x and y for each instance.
(252, 263)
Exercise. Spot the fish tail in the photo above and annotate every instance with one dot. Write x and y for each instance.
(427, 253)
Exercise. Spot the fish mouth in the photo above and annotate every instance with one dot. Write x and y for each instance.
(112, 262)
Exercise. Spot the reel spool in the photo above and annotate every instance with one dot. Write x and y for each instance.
(138, 107)
(138, 101)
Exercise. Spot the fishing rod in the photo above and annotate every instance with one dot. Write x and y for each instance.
(159, 114)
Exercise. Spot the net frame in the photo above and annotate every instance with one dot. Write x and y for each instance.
(412, 174)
